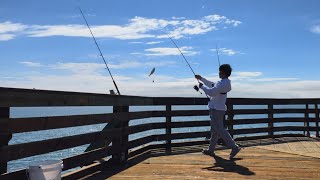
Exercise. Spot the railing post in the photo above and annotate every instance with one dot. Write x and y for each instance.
(270, 117)
(317, 119)
(168, 128)
(230, 119)
(120, 143)
(306, 120)
(5, 135)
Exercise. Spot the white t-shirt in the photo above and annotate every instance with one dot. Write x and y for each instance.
(217, 93)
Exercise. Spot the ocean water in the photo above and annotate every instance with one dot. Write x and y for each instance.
(20, 112)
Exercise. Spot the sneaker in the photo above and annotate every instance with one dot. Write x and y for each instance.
(234, 152)
(207, 152)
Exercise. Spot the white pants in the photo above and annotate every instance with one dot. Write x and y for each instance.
(218, 130)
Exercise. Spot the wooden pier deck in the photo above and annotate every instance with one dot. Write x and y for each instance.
(275, 133)
(279, 158)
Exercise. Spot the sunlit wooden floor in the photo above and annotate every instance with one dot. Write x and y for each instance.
(280, 158)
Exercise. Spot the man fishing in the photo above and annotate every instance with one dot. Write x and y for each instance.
(217, 108)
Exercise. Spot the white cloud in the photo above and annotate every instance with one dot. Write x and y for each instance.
(31, 64)
(78, 68)
(247, 74)
(273, 79)
(6, 37)
(136, 28)
(136, 42)
(8, 26)
(315, 29)
(8, 30)
(94, 68)
(154, 42)
(164, 51)
(226, 51)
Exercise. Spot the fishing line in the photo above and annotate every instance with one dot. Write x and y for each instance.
(218, 54)
(197, 89)
(99, 51)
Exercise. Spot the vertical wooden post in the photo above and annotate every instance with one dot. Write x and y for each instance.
(168, 128)
(270, 117)
(317, 119)
(306, 120)
(120, 143)
(230, 119)
(5, 134)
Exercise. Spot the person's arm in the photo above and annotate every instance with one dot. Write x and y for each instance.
(204, 80)
(207, 82)
(219, 88)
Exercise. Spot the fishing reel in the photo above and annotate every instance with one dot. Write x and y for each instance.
(195, 87)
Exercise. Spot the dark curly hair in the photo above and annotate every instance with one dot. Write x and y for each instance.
(226, 68)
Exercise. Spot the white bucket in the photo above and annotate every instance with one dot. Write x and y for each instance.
(45, 170)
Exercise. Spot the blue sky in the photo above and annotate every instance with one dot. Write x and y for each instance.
(273, 46)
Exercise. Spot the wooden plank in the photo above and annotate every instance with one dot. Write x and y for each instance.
(141, 141)
(270, 116)
(230, 122)
(86, 158)
(190, 124)
(309, 144)
(186, 135)
(5, 136)
(267, 136)
(18, 125)
(250, 131)
(18, 151)
(306, 123)
(144, 127)
(19, 174)
(265, 101)
(11, 97)
(120, 142)
(168, 127)
(317, 117)
(252, 164)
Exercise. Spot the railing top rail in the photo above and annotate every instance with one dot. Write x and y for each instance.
(14, 97)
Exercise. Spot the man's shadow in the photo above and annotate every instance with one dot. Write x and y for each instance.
(225, 165)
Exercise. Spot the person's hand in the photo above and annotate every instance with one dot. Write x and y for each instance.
(200, 84)
(198, 77)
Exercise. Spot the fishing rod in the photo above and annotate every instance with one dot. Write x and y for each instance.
(100, 52)
(195, 87)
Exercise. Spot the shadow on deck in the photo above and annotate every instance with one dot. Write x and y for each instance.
(285, 157)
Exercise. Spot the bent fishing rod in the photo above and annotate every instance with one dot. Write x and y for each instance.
(100, 51)
(186, 61)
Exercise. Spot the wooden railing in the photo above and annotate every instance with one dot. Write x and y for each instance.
(115, 136)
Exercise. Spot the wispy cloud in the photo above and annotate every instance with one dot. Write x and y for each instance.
(9, 30)
(154, 42)
(165, 51)
(78, 68)
(136, 28)
(226, 51)
(315, 29)
(6, 37)
(31, 64)
(91, 68)
(135, 42)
